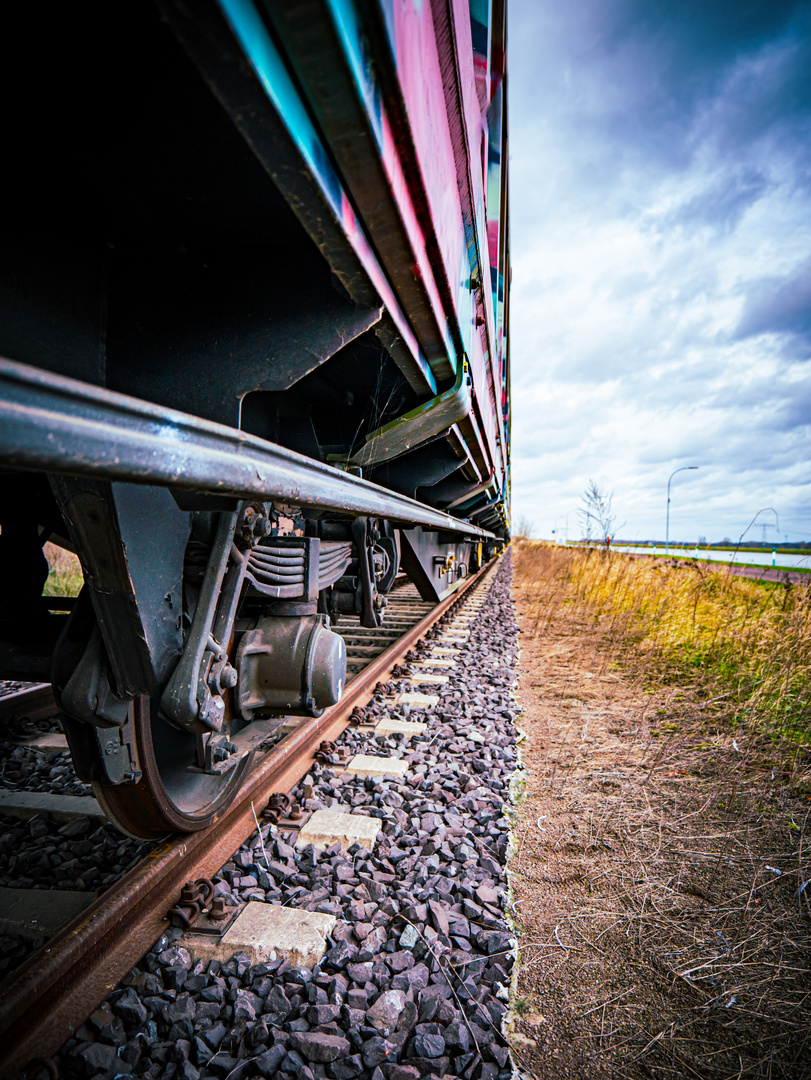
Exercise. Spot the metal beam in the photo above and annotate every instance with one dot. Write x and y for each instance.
(58, 425)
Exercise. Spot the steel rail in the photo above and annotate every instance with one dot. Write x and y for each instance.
(35, 702)
(55, 990)
(59, 425)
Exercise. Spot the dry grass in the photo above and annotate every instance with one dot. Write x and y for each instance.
(682, 622)
(662, 841)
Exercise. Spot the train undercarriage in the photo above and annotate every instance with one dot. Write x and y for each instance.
(256, 361)
(204, 623)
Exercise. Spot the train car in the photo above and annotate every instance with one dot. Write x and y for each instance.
(254, 270)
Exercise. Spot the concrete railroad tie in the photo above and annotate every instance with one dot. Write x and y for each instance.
(365, 765)
(265, 932)
(28, 804)
(418, 701)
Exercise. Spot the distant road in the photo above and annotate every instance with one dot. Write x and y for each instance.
(758, 573)
(763, 573)
(784, 560)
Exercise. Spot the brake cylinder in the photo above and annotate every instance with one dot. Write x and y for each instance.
(289, 666)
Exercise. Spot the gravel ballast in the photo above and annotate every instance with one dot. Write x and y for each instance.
(23, 768)
(416, 979)
(41, 852)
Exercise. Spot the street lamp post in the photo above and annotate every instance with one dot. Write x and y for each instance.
(763, 510)
(684, 468)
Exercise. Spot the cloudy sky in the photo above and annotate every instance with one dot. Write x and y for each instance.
(661, 244)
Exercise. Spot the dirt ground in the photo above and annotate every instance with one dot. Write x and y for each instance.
(662, 924)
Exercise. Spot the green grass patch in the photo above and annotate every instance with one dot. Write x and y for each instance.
(65, 573)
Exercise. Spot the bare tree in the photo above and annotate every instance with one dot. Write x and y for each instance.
(596, 515)
(522, 528)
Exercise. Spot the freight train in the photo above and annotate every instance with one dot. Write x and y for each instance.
(254, 310)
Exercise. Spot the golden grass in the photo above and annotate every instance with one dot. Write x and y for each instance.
(746, 644)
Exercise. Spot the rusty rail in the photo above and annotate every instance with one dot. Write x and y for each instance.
(57, 987)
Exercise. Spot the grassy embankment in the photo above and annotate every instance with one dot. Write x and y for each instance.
(744, 644)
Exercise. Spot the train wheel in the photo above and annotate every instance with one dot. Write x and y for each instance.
(171, 796)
